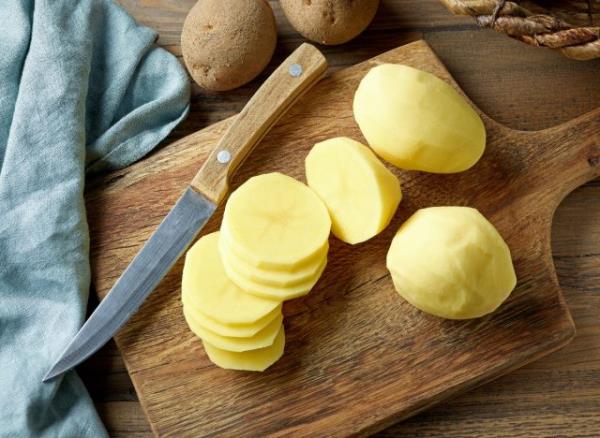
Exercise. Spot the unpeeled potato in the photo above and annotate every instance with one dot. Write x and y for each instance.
(360, 193)
(329, 22)
(227, 43)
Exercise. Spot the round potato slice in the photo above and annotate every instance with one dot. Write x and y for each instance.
(263, 338)
(252, 360)
(276, 221)
(360, 193)
(306, 264)
(233, 330)
(273, 292)
(301, 275)
(210, 289)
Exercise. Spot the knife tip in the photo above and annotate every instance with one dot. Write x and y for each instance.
(52, 373)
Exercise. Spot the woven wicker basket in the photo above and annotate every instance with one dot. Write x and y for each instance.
(570, 26)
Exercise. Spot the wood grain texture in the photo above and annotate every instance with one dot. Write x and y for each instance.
(276, 95)
(522, 87)
(352, 340)
(558, 395)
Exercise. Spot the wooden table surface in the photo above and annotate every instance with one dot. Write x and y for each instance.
(522, 87)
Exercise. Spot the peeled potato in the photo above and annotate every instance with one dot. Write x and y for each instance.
(261, 339)
(415, 120)
(360, 193)
(274, 292)
(276, 222)
(233, 330)
(252, 360)
(451, 262)
(300, 275)
(207, 285)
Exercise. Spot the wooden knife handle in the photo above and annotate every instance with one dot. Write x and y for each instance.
(299, 72)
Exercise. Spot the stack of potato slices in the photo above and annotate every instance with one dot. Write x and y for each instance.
(274, 237)
(272, 247)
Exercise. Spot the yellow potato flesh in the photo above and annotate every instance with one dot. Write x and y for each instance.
(233, 330)
(253, 360)
(416, 121)
(300, 275)
(261, 339)
(360, 193)
(276, 222)
(274, 292)
(207, 285)
(451, 262)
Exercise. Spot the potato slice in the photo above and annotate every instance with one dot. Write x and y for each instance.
(276, 222)
(360, 193)
(252, 360)
(210, 289)
(273, 292)
(299, 276)
(417, 121)
(261, 339)
(451, 262)
(233, 330)
(231, 247)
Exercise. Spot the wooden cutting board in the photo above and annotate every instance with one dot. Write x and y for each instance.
(357, 357)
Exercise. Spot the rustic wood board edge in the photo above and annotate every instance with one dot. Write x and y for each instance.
(556, 345)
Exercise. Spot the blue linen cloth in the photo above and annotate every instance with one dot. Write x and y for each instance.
(83, 88)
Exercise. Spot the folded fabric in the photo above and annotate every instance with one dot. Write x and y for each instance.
(82, 86)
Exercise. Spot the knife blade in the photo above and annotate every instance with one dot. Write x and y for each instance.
(302, 69)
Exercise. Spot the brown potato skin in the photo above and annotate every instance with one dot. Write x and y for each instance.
(227, 43)
(329, 22)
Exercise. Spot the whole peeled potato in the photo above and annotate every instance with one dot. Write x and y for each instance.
(451, 262)
(329, 22)
(227, 43)
(415, 120)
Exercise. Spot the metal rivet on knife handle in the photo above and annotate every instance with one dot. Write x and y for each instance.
(224, 157)
(286, 84)
(295, 70)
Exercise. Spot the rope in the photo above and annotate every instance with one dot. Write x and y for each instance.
(543, 30)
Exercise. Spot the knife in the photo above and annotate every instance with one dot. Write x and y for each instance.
(299, 72)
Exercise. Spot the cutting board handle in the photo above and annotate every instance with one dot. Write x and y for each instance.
(570, 157)
(298, 73)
